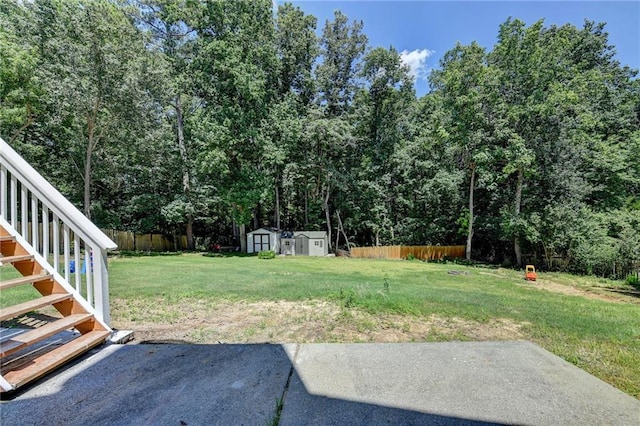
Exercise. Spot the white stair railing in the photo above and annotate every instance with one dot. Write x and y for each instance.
(71, 246)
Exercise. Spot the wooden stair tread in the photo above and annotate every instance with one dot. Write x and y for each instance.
(24, 280)
(53, 359)
(6, 260)
(22, 308)
(16, 343)
(27, 355)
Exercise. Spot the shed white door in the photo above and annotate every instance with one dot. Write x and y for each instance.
(316, 247)
(300, 246)
(261, 242)
(288, 246)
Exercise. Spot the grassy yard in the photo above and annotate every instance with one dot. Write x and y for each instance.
(592, 323)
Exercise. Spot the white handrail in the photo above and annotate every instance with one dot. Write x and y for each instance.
(55, 201)
(56, 215)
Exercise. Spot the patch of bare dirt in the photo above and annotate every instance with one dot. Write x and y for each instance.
(573, 291)
(602, 294)
(300, 322)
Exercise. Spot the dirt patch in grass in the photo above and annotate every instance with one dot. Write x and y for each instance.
(601, 293)
(315, 321)
(552, 286)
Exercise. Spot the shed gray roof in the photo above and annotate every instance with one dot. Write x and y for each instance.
(312, 235)
(262, 231)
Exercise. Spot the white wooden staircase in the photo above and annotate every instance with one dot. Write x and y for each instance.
(41, 236)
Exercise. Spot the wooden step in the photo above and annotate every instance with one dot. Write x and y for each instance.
(24, 280)
(6, 260)
(16, 343)
(23, 308)
(7, 238)
(41, 365)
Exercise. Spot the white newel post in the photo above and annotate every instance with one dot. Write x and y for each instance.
(101, 278)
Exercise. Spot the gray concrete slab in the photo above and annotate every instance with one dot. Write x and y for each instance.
(158, 385)
(447, 383)
(323, 384)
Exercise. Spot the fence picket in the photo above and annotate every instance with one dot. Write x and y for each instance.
(127, 240)
(402, 252)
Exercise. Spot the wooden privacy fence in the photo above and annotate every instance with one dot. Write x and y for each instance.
(127, 240)
(402, 252)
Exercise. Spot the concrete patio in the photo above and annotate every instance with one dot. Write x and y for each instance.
(321, 384)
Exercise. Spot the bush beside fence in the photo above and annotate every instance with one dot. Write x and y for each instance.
(402, 252)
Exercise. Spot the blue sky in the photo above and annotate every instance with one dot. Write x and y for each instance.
(425, 30)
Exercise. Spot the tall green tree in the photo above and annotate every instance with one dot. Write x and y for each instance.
(565, 104)
(342, 46)
(297, 50)
(169, 24)
(462, 83)
(383, 108)
(20, 90)
(234, 77)
(91, 65)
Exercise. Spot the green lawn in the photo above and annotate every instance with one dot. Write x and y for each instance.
(601, 336)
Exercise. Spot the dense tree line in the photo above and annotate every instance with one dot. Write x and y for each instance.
(208, 118)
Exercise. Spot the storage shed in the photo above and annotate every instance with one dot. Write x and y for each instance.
(311, 243)
(263, 239)
(287, 244)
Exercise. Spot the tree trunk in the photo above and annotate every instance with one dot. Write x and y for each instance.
(306, 206)
(91, 143)
(27, 122)
(256, 217)
(87, 178)
(277, 212)
(471, 218)
(325, 206)
(243, 238)
(328, 216)
(341, 228)
(189, 229)
(518, 202)
(186, 175)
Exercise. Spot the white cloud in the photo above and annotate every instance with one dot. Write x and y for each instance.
(417, 61)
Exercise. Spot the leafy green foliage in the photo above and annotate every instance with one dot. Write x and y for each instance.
(267, 254)
(211, 117)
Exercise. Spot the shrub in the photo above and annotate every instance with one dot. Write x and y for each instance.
(267, 254)
(633, 281)
(410, 256)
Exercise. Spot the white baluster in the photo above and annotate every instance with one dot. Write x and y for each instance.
(56, 243)
(24, 209)
(76, 258)
(34, 221)
(45, 232)
(67, 272)
(88, 275)
(14, 202)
